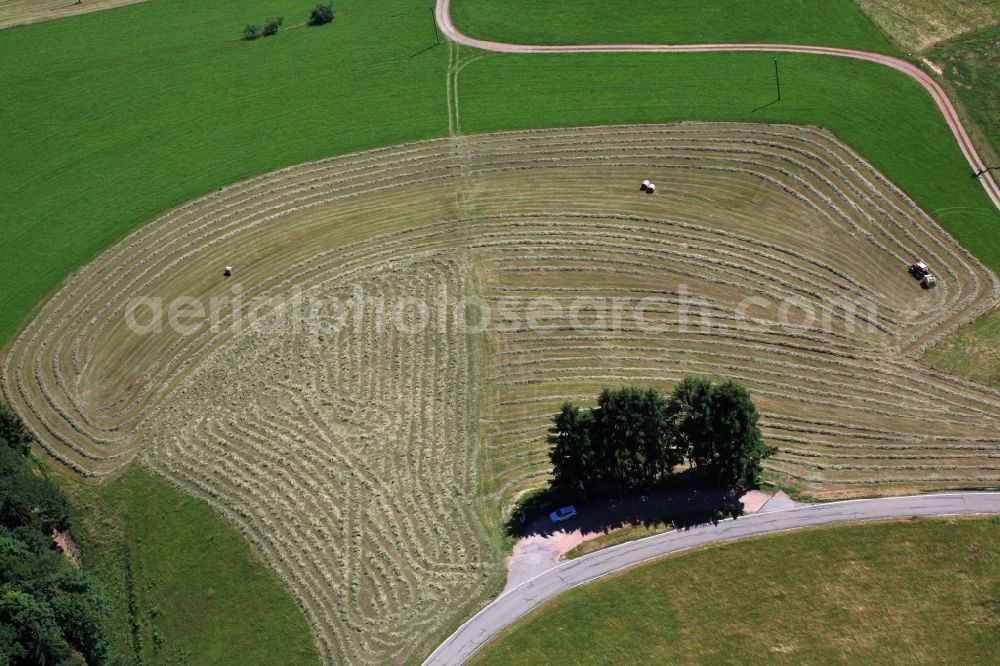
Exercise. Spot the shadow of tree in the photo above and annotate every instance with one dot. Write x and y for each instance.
(682, 503)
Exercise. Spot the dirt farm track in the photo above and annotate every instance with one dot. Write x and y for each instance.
(361, 459)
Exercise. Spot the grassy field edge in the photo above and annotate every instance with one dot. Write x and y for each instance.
(696, 606)
(186, 586)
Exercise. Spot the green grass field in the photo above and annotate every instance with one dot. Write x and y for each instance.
(923, 591)
(972, 352)
(823, 22)
(193, 580)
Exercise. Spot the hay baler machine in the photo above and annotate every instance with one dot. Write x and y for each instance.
(922, 272)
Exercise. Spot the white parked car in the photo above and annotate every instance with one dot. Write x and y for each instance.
(562, 514)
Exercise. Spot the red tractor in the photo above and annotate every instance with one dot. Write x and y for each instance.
(919, 270)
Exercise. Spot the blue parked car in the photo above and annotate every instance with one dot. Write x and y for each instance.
(562, 514)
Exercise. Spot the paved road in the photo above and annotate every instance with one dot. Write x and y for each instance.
(443, 16)
(507, 608)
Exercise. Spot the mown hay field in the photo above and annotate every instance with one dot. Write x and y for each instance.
(22, 12)
(920, 24)
(374, 382)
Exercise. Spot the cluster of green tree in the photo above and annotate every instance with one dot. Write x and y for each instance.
(635, 439)
(320, 15)
(50, 613)
(271, 27)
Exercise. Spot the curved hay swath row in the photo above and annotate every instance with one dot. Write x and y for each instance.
(353, 456)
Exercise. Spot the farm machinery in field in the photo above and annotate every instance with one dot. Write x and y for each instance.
(922, 272)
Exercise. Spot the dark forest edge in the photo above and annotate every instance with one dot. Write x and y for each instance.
(50, 612)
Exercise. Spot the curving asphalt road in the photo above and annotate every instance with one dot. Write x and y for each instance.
(442, 13)
(514, 604)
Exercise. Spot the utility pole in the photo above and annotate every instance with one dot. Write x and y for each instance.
(984, 170)
(437, 35)
(777, 79)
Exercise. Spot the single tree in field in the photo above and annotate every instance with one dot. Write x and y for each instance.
(273, 25)
(251, 32)
(656, 454)
(688, 411)
(633, 440)
(724, 438)
(321, 14)
(571, 453)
